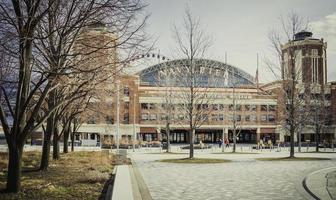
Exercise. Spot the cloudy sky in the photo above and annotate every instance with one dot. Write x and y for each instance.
(240, 27)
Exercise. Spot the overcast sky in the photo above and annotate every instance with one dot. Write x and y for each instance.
(240, 27)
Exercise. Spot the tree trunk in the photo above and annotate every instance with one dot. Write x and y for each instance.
(14, 168)
(46, 143)
(292, 144)
(191, 150)
(66, 135)
(317, 142)
(299, 140)
(56, 147)
(72, 142)
(234, 141)
(65, 143)
(168, 135)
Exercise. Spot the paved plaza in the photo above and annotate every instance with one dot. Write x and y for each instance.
(243, 178)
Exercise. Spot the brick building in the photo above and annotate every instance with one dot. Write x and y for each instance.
(259, 107)
(258, 111)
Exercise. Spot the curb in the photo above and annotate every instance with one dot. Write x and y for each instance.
(110, 187)
(138, 183)
(308, 189)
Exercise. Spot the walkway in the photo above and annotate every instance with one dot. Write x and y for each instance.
(244, 178)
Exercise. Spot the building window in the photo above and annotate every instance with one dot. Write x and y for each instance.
(109, 119)
(231, 118)
(126, 118)
(126, 91)
(247, 118)
(163, 117)
(263, 118)
(92, 136)
(152, 117)
(205, 106)
(221, 117)
(151, 106)
(253, 107)
(221, 107)
(271, 118)
(215, 106)
(315, 70)
(231, 107)
(253, 118)
(144, 116)
(180, 117)
(247, 107)
(144, 106)
(238, 107)
(263, 108)
(214, 117)
(85, 136)
(126, 105)
(238, 118)
(92, 120)
(271, 108)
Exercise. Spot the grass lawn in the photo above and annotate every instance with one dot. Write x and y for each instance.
(194, 160)
(169, 153)
(293, 159)
(235, 153)
(77, 175)
(318, 152)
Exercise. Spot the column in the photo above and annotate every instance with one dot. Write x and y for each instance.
(258, 134)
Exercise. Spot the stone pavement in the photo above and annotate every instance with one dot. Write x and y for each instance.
(331, 183)
(243, 178)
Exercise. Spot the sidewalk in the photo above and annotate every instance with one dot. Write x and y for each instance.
(321, 184)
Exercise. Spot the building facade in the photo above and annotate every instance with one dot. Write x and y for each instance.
(137, 100)
(257, 109)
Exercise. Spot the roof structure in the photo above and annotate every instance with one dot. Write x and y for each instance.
(208, 73)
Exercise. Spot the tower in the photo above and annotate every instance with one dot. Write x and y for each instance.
(307, 56)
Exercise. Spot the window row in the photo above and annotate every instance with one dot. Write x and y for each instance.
(239, 107)
(213, 117)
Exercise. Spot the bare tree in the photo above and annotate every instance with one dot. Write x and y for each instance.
(166, 80)
(39, 37)
(194, 97)
(236, 119)
(289, 72)
(319, 114)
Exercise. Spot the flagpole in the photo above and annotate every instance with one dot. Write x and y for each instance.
(257, 74)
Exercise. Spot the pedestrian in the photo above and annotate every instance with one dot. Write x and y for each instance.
(270, 144)
(201, 144)
(227, 143)
(220, 142)
(261, 143)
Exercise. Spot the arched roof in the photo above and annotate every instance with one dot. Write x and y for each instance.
(209, 73)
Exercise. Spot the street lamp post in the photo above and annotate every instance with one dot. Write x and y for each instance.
(134, 117)
(118, 122)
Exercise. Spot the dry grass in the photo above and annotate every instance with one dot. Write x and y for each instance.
(293, 159)
(236, 153)
(195, 160)
(77, 175)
